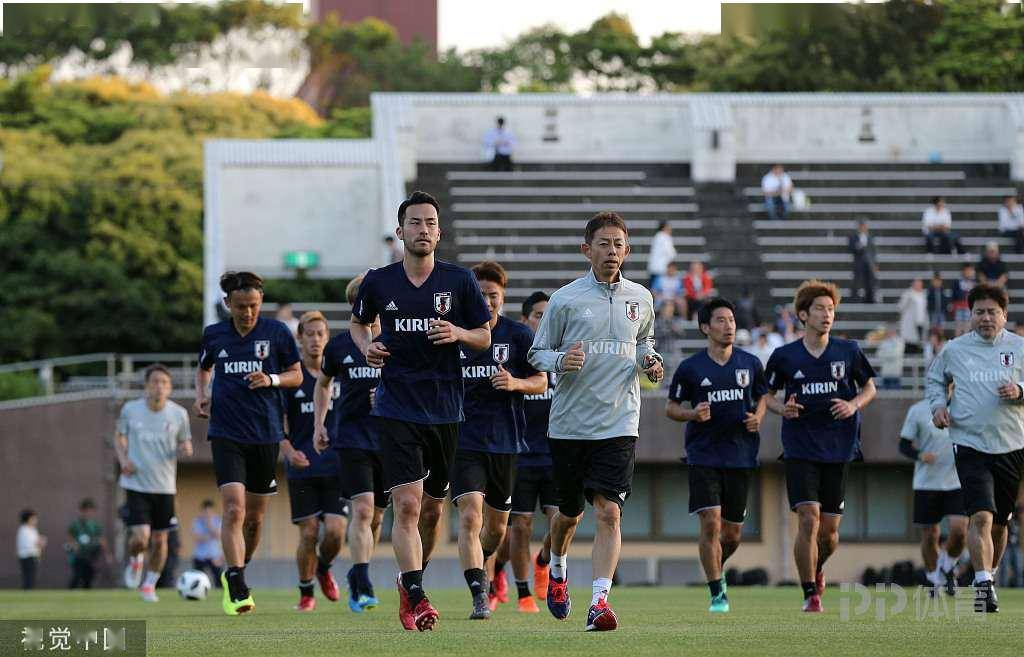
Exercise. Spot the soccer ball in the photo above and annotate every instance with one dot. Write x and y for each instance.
(193, 585)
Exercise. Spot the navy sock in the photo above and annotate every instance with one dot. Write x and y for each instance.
(361, 574)
(322, 567)
(412, 582)
(475, 580)
(523, 588)
(810, 588)
(716, 587)
(306, 589)
(237, 588)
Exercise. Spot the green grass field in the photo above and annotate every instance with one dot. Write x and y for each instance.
(652, 621)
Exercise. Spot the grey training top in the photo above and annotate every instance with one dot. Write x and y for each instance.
(977, 368)
(615, 323)
(153, 438)
(919, 429)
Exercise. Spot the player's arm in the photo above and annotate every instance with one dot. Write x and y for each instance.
(907, 449)
(544, 353)
(121, 449)
(535, 384)
(204, 375)
(442, 332)
(295, 457)
(753, 420)
(843, 409)
(321, 403)
(676, 411)
(648, 359)
(936, 385)
(185, 437)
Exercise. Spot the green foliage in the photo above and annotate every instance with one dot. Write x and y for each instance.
(305, 289)
(18, 385)
(344, 123)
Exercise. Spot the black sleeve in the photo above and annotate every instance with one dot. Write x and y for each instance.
(206, 356)
(907, 449)
(329, 366)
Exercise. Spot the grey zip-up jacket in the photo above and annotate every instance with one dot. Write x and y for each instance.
(615, 323)
(979, 419)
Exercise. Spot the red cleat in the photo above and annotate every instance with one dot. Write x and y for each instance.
(540, 579)
(813, 604)
(424, 616)
(601, 618)
(328, 586)
(306, 603)
(819, 583)
(492, 602)
(500, 586)
(405, 614)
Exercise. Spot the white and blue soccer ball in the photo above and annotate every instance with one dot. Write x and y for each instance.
(193, 585)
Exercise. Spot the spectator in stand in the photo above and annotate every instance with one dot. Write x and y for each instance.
(1011, 222)
(499, 144)
(206, 554)
(936, 341)
(286, 315)
(777, 188)
(698, 286)
(890, 355)
(961, 308)
(393, 252)
(913, 309)
(938, 302)
(991, 268)
(762, 348)
(29, 545)
(785, 324)
(937, 226)
(746, 310)
(669, 299)
(663, 252)
(86, 546)
(862, 245)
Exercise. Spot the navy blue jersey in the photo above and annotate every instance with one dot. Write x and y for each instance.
(236, 412)
(353, 426)
(538, 408)
(496, 419)
(421, 382)
(840, 373)
(299, 405)
(732, 390)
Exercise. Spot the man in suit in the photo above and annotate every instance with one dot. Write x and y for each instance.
(862, 246)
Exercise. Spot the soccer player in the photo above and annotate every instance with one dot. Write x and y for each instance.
(535, 481)
(985, 417)
(937, 494)
(491, 435)
(726, 390)
(313, 489)
(353, 435)
(428, 309)
(151, 432)
(827, 381)
(598, 336)
(253, 357)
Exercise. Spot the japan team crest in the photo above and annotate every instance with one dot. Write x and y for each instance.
(743, 378)
(1006, 358)
(633, 310)
(262, 349)
(500, 353)
(838, 369)
(442, 302)
(335, 389)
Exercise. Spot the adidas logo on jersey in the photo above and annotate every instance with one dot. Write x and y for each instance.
(348, 360)
(300, 394)
(588, 314)
(705, 383)
(392, 306)
(798, 375)
(222, 354)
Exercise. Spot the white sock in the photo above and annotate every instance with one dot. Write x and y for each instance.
(936, 577)
(944, 562)
(602, 585)
(982, 576)
(151, 579)
(137, 559)
(559, 565)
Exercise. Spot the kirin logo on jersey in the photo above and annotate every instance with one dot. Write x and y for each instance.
(442, 302)
(633, 310)
(262, 349)
(1006, 359)
(838, 369)
(500, 353)
(743, 378)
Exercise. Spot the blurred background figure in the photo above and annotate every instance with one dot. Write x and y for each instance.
(663, 252)
(206, 553)
(1011, 221)
(87, 546)
(698, 286)
(287, 315)
(913, 308)
(890, 358)
(991, 268)
(393, 251)
(938, 302)
(777, 188)
(499, 144)
(30, 545)
(862, 246)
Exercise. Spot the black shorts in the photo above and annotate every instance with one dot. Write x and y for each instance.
(931, 506)
(414, 452)
(535, 484)
(254, 465)
(362, 473)
(725, 488)
(989, 481)
(817, 482)
(314, 497)
(585, 467)
(153, 509)
(493, 475)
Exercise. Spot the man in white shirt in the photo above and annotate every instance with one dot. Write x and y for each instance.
(29, 545)
(1011, 221)
(663, 251)
(937, 226)
(777, 187)
(499, 145)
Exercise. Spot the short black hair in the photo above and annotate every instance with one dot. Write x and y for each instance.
(532, 301)
(983, 291)
(26, 515)
(389, 238)
(709, 308)
(157, 367)
(602, 220)
(87, 503)
(501, 120)
(239, 280)
(207, 504)
(936, 199)
(417, 198)
(662, 223)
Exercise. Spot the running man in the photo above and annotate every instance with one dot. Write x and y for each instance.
(597, 335)
(428, 309)
(985, 417)
(253, 357)
(726, 390)
(151, 432)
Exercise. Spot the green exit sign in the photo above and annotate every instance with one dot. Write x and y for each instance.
(301, 260)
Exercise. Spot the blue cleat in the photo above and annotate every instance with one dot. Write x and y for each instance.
(719, 604)
(558, 598)
(368, 601)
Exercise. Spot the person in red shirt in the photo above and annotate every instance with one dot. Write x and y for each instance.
(698, 286)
